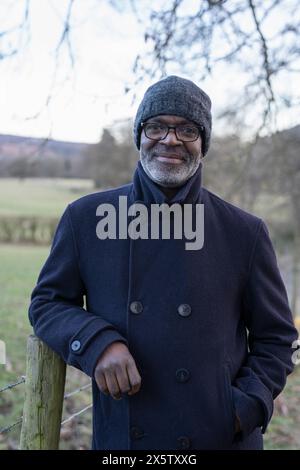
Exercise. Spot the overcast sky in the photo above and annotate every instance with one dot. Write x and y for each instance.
(105, 43)
(84, 99)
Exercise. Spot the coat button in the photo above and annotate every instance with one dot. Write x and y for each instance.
(184, 310)
(182, 375)
(76, 345)
(183, 442)
(136, 432)
(136, 307)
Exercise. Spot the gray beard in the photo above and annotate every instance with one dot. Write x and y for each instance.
(173, 175)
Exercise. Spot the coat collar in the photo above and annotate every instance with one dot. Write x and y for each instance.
(146, 191)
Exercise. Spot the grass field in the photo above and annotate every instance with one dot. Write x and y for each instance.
(20, 266)
(40, 196)
(19, 269)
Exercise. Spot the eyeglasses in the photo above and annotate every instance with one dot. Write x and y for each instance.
(183, 132)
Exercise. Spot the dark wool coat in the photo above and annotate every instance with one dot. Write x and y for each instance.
(210, 330)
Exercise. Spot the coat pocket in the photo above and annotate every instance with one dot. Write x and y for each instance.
(229, 404)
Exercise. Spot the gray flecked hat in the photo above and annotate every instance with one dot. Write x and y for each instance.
(179, 97)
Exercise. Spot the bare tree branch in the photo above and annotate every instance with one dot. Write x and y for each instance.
(65, 37)
(20, 29)
(236, 33)
(265, 52)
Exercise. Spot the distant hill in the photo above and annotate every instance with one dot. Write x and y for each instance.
(42, 157)
(17, 146)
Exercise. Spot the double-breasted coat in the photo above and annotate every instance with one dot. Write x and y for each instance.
(210, 330)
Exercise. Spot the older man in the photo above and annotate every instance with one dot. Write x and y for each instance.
(187, 349)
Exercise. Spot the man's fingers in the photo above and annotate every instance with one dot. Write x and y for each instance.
(112, 384)
(101, 382)
(134, 378)
(123, 379)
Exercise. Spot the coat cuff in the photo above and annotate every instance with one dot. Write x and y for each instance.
(85, 356)
(249, 410)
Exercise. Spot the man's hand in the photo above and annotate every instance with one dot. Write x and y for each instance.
(116, 371)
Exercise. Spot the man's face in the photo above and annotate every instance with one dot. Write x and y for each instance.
(170, 162)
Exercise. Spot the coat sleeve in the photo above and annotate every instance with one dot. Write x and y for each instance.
(56, 311)
(271, 333)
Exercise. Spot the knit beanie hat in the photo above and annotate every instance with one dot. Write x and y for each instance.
(179, 97)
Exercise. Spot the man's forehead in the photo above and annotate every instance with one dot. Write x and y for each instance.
(171, 119)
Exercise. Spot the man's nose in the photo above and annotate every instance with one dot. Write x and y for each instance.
(171, 138)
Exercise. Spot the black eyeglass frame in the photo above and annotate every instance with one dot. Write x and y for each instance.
(200, 129)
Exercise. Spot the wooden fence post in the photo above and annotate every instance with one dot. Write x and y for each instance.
(44, 394)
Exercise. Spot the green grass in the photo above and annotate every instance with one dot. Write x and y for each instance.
(20, 266)
(19, 269)
(283, 432)
(40, 196)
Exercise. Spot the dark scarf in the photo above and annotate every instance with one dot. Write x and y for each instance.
(146, 191)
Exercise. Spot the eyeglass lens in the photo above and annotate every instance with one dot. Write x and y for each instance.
(159, 131)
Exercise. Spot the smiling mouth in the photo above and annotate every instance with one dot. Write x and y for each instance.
(172, 159)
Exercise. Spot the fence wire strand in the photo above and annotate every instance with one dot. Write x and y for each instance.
(8, 428)
(7, 387)
(76, 414)
(84, 387)
(67, 395)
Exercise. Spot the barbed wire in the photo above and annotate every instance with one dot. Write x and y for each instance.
(19, 421)
(76, 414)
(84, 387)
(8, 386)
(67, 395)
(10, 426)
